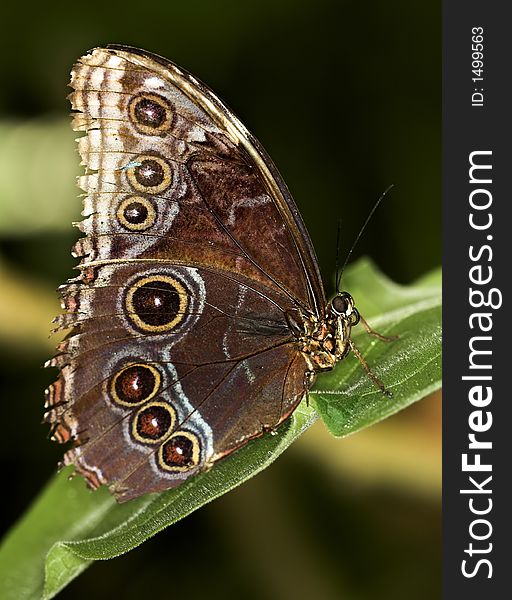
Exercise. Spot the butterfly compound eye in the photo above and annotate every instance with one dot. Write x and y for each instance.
(340, 303)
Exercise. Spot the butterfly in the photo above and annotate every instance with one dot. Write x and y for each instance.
(199, 320)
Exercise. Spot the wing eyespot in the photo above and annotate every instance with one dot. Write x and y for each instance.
(150, 114)
(136, 213)
(156, 304)
(149, 173)
(180, 453)
(153, 422)
(135, 385)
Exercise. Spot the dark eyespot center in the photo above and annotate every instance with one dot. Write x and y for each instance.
(178, 452)
(149, 173)
(149, 113)
(135, 384)
(156, 302)
(154, 422)
(136, 213)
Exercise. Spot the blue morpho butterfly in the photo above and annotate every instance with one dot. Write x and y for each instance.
(199, 319)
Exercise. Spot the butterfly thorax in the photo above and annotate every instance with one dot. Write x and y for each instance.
(325, 340)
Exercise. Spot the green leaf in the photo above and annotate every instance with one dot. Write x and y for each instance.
(68, 526)
(410, 367)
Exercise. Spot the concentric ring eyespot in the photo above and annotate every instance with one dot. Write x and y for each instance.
(135, 384)
(150, 114)
(149, 173)
(153, 422)
(156, 304)
(136, 213)
(180, 453)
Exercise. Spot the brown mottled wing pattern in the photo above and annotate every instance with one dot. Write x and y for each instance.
(179, 349)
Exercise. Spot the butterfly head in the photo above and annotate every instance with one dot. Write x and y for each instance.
(342, 306)
(341, 316)
(326, 341)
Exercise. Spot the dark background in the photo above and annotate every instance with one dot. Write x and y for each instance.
(345, 97)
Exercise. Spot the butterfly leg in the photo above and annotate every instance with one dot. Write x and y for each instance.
(379, 336)
(369, 372)
(309, 379)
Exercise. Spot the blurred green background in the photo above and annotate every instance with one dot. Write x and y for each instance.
(345, 96)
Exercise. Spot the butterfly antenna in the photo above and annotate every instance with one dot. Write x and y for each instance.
(338, 274)
(375, 206)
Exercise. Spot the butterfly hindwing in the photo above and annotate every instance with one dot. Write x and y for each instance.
(220, 356)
